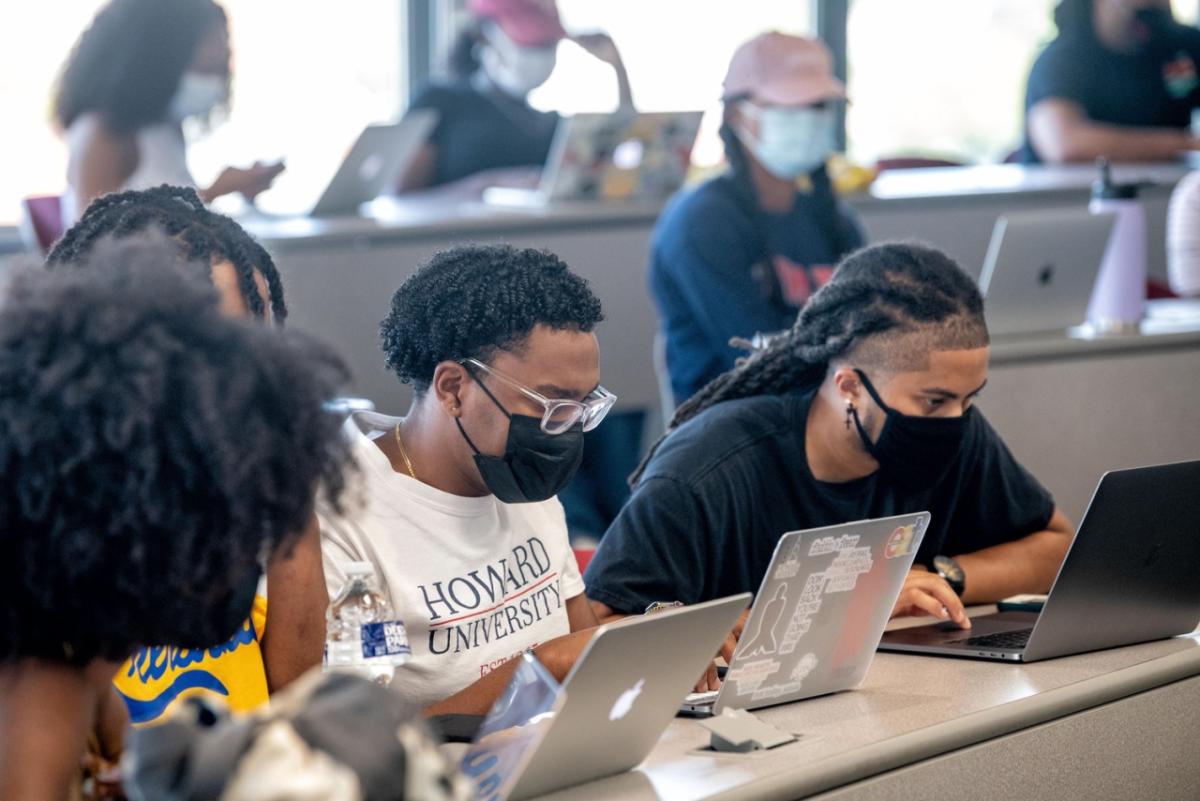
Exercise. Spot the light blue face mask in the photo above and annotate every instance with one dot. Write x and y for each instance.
(791, 141)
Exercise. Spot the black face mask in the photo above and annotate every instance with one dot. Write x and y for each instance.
(535, 465)
(915, 452)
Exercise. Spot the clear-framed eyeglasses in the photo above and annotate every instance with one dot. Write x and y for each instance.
(560, 415)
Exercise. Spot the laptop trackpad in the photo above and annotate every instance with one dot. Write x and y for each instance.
(940, 633)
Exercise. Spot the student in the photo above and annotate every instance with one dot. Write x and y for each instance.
(139, 70)
(461, 522)
(261, 658)
(864, 409)
(1119, 81)
(484, 117)
(153, 453)
(741, 253)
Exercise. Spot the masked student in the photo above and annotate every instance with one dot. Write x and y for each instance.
(485, 122)
(864, 409)
(153, 454)
(741, 253)
(134, 76)
(276, 645)
(460, 519)
(1120, 80)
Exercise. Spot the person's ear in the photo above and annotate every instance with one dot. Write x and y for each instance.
(739, 120)
(848, 385)
(449, 382)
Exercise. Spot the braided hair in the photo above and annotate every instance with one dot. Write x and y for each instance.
(877, 295)
(203, 236)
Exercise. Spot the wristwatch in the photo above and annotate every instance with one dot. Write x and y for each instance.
(952, 572)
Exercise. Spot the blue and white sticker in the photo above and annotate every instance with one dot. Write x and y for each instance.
(388, 638)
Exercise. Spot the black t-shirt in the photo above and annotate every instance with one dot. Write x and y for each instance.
(482, 129)
(721, 491)
(1157, 87)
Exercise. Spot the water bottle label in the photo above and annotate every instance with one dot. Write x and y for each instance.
(385, 639)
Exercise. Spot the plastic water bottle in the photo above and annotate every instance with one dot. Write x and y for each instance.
(361, 632)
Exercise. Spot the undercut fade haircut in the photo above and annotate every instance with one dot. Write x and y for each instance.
(203, 237)
(887, 306)
(473, 300)
(152, 452)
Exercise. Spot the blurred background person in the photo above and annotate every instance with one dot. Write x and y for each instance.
(741, 253)
(1119, 81)
(133, 77)
(485, 121)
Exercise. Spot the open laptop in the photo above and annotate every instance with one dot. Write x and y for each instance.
(371, 167)
(819, 613)
(611, 709)
(1040, 268)
(610, 157)
(1132, 575)
(374, 163)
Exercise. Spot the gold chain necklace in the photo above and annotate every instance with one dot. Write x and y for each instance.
(404, 453)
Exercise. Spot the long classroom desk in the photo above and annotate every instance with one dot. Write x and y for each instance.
(340, 276)
(1117, 724)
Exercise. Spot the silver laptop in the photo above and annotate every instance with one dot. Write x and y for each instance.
(1132, 575)
(612, 708)
(374, 163)
(1040, 268)
(819, 613)
(611, 157)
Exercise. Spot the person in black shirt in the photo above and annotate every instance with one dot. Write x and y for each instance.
(864, 409)
(1119, 81)
(485, 121)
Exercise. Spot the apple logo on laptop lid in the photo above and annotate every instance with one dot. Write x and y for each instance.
(626, 700)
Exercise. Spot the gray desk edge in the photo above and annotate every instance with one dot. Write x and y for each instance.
(932, 741)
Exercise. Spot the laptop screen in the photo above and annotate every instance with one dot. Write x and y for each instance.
(513, 729)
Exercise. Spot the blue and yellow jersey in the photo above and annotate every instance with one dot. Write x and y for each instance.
(155, 678)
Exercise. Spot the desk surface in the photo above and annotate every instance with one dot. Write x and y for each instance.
(439, 213)
(909, 708)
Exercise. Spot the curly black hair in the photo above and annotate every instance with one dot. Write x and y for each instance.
(878, 297)
(128, 63)
(472, 300)
(203, 236)
(153, 452)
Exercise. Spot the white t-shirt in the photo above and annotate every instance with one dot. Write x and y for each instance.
(476, 581)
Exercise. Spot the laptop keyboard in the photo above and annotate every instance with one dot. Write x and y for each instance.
(1001, 639)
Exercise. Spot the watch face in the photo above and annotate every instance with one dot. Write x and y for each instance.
(947, 567)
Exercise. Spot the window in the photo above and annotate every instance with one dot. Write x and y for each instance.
(308, 77)
(676, 53)
(945, 78)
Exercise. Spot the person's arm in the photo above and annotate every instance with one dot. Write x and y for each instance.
(294, 639)
(100, 160)
(249, 182)
(1061, 132)
(557, 655)
(580, 613)
(602, 47)
(1025, 565)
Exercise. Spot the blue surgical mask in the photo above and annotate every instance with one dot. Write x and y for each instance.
(198, 94)
(514, 69)
(791, 141)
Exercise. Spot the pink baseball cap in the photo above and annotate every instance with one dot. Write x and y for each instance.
(529, 23)
(783, 70)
